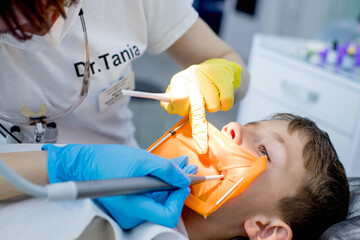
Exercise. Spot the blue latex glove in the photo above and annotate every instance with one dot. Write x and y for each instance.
(78, 162)
(161, 196)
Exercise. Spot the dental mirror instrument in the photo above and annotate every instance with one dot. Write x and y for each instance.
(156, 96)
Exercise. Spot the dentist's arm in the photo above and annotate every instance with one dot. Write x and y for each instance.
(200, 43)
(79, 162)
(30, 165)
(206, 85)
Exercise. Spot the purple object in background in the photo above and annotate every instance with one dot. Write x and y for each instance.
(342, 51)
(340, 57)
(357, 56)
(323, 57)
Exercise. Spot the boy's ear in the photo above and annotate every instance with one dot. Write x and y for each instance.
(267, 228)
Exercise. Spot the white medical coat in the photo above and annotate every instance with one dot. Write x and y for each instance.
(119, 31)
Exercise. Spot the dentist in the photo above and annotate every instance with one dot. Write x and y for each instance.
(46, 83)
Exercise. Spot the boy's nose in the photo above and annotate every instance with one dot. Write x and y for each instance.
(234, 131)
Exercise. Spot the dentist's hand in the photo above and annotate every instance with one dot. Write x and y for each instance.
(209, 85)
(162, 196)
(78, 162)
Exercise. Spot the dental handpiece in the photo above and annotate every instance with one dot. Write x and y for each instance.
(92, 189)
(117, 186)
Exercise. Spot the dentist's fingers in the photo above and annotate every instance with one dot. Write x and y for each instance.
(166, 214)
(198, 120)
(179, 96)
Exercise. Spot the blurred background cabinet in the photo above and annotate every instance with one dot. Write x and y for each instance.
(282, 81)
(241, 19)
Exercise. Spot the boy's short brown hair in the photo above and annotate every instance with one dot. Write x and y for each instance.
(323, 196)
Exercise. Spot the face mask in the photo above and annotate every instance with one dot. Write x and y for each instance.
(224, 157)
(53, 38)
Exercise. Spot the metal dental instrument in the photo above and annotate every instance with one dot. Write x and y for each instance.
(228, 192)
(156, 96)
(133, 185)
(92, 189)
(172, 132)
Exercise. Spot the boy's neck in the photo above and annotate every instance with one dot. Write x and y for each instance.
(214, 226)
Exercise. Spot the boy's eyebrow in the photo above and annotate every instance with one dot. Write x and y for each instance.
(275, 135)
(278, 137)
(252, 124)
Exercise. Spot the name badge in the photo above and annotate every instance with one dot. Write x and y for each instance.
(113, 93)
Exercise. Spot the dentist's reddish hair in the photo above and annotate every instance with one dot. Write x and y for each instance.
(35, 11)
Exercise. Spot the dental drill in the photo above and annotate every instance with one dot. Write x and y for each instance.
(92, 189)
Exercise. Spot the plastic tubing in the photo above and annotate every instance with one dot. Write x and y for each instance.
(21, 183)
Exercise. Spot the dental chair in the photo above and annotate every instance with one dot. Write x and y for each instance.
(349, 229)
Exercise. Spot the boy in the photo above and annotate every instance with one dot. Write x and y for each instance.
(302, 192)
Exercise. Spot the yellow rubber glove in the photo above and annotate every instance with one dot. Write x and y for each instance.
(209, 85)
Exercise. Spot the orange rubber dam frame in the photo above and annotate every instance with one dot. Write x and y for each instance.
(224, 157)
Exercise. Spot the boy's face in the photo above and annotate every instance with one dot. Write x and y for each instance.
(285, 166)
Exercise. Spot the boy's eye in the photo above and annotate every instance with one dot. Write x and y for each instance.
(263, 151)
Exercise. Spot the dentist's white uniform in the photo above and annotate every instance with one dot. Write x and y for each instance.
(82, 219)
(119, 31)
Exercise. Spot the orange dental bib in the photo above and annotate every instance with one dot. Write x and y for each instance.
(223, 157)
